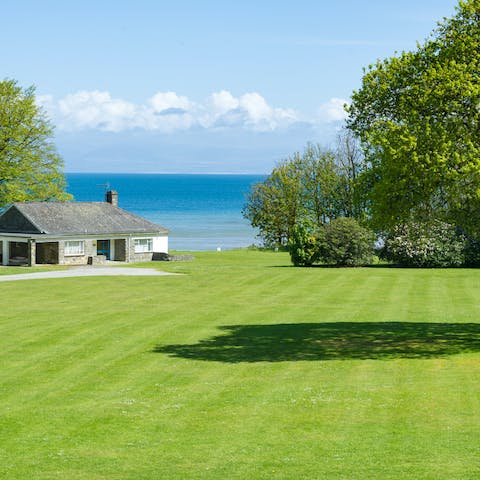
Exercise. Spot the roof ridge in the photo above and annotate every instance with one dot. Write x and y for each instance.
(60, 217)
(58, 203)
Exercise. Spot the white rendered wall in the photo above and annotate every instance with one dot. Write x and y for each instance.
(160, 244)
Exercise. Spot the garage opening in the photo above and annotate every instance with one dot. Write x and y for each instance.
(47, 253)
(18, 253)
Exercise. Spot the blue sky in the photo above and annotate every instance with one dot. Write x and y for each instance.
(190, 86)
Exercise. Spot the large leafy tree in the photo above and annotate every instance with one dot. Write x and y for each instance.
(30, 167)
(349, 159)
(310, 188)
(321, 184)
(275, 205)
(418, 117)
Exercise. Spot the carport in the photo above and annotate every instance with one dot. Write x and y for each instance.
(17, 250)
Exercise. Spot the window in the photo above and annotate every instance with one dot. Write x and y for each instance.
(143, 245)
(74, 247)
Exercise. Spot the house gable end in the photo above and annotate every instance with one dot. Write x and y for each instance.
(14, 221)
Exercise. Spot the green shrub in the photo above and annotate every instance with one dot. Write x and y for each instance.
(344, 242)
(472, 252)
(428, 244)
(302, 246)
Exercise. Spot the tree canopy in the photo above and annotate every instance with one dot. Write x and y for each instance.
(275, 205)
(30, 166)
(417, 115)
(313, 187)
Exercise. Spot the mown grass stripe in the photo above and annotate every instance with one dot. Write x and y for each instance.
(243, 368)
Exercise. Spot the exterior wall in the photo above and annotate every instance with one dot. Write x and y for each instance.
(123, 248)
(160, 244)
(142, 257)
(138, 257)
(51, 250)
(90, 251)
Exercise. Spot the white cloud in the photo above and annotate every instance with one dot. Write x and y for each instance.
(257, 108)
(250, 111)
(333, 110)
(168, 112)
(162, 101)
(222, 102)
(95, 110)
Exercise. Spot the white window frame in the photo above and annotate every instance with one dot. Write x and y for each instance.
(143, 245)
(74, 248)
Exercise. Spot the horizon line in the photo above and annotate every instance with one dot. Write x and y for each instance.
(167, 173)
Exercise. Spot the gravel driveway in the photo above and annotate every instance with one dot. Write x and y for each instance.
(86, 272)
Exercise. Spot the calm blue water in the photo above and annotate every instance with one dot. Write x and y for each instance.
(202, 212)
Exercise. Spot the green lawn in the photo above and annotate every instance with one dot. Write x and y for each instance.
(244, 368)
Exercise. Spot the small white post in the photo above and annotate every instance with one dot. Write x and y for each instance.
(5, 252)
(127, 249)
(112, 249)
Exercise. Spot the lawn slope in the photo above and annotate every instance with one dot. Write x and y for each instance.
(242, 368)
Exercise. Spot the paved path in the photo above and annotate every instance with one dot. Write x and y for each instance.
(86, 272)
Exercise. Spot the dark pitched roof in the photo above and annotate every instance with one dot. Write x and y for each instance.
(73, 218)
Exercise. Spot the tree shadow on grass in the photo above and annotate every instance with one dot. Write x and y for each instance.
(331, 341)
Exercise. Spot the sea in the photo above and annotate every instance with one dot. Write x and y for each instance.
(202, 212)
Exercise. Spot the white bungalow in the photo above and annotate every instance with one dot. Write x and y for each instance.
(77, 233)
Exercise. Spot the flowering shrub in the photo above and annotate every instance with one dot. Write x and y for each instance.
(432, 244)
